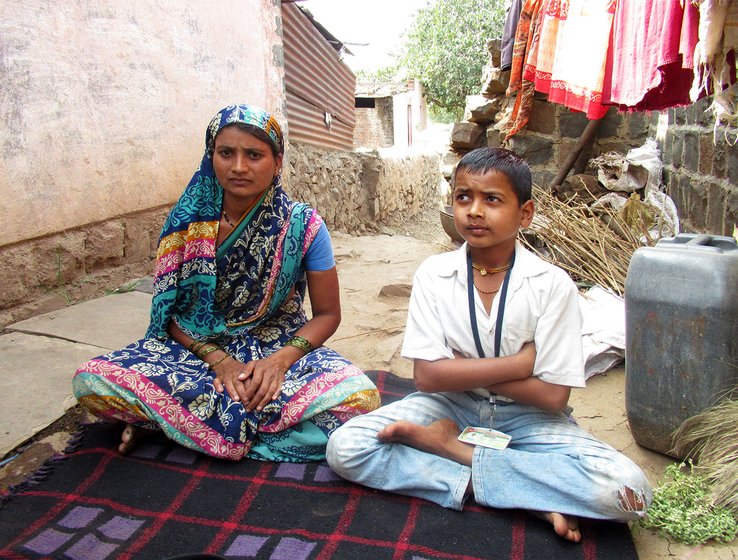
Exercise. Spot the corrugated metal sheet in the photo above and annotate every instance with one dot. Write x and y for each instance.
(317, 83)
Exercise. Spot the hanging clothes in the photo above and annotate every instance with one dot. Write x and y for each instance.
(512, 16)
(651, 57)
(714, 54)
(523, 88)
(560, 49)
(581, 50)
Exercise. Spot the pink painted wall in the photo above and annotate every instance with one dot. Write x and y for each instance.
(103, 106)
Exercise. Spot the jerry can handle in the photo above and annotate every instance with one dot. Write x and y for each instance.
(701, 239)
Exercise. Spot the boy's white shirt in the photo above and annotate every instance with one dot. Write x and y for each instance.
(542, 305)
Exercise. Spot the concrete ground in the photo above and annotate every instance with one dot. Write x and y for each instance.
(39, 355)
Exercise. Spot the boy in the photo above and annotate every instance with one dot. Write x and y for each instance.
(550, 466)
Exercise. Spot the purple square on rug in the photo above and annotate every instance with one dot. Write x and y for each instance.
(292, 549)
(120, 528)
(47, 541)
(80, 517)
(181, 455)
(146, 451)
(325, 474)
(246, 546)
(291, 470)
(90, 547)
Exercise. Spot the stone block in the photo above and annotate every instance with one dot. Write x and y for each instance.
(572, 123)
(665, 149)
(732, 166)
(494, 137)
(605, 145)
(610, 124)
(719, 162)
(543, 178)
(542, 118)
(536, 150)
(493, 49)
(105, 246)
(465, 136)
(691, 151)
(495, 81)
(60, 259)
(677, 149)
(680, 116)
(705, 156)
(715, 214)
(480, 109)
(639, 126)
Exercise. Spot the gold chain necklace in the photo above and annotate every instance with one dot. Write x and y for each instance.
(480, 289)
(494, 270)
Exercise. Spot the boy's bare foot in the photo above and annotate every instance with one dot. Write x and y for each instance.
(132, 436)
(439, 438)
(565, 526)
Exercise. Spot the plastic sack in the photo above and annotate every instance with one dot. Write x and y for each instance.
(648, 158)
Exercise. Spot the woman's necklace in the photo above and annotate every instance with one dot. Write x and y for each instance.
(228, 221)
(484, 271)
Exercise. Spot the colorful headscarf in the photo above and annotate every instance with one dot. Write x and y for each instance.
(188, 259)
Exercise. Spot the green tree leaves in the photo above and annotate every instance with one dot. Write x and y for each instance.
(445, 48)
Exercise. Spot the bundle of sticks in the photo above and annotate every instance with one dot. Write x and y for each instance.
(593, 244)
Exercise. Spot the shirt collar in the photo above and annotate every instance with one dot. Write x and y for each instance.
(526, 265)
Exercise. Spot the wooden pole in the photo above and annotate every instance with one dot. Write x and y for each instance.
(585, 140)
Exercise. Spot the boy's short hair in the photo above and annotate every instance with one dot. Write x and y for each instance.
(511, 165)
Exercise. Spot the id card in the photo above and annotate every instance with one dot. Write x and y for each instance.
(485, 437)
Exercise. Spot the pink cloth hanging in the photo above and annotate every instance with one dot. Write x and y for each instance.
(650, 60)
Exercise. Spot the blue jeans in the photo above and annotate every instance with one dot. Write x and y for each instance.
(550, 465)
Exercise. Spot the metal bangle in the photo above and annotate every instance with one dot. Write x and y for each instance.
(300, 342)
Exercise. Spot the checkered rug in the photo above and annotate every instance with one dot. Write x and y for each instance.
(164, 500)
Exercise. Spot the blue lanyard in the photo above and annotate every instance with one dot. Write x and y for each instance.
(500, 307)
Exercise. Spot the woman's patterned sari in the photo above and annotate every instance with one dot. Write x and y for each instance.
(247, 297)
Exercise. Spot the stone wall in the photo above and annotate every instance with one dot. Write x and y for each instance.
(700, 166)
(375, 127)
(53, 271)
(700, 169)
(551, 133)
(354, 192)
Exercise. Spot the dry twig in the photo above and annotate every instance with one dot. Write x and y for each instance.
(576, 238)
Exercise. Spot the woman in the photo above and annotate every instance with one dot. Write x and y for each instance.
(230, 365)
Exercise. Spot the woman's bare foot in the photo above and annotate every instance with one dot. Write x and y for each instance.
(565, 526)
(132, 436)
(439, 438)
